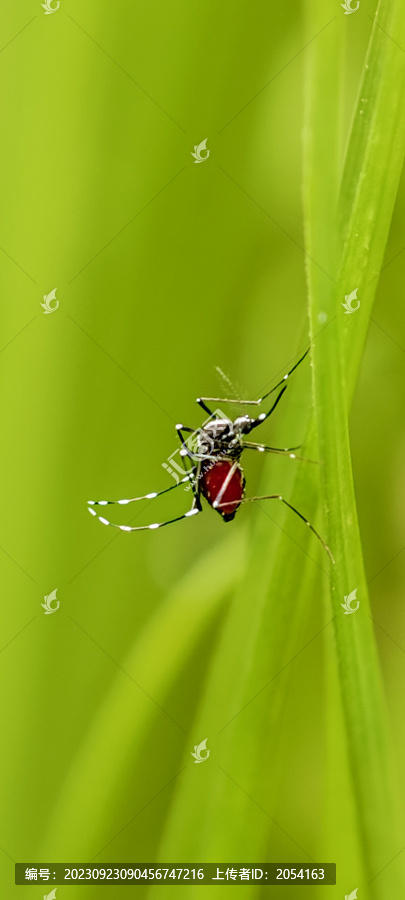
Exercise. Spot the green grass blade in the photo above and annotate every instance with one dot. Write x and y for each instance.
(372, 171)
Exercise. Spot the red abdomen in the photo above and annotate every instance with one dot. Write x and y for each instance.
(214, 475)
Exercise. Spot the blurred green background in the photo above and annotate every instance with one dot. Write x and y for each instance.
(165, 269)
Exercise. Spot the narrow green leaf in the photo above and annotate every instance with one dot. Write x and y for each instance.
(371, 176)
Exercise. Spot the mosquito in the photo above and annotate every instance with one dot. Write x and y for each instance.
(211, 459)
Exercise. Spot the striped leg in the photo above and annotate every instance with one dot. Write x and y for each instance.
(196, 508)
(192, 512)
(185, 451)
(294, 510)
(285, 377)
(255, 422)
(134, 499)
(249, 445)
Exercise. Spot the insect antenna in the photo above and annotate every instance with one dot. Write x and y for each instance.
(231, 390)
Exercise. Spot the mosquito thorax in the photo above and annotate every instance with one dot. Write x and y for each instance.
(218, 428)
(242, 425)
